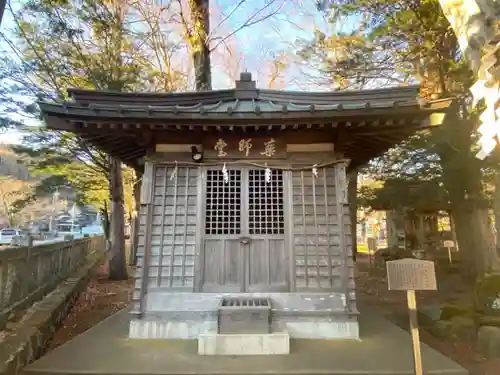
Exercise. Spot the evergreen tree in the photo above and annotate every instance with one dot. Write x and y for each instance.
(408, 42)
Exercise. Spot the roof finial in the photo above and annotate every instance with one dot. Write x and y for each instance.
(245, 81)
(245, 76)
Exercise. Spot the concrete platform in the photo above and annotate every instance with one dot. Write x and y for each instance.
(244, 344)
(106, 349)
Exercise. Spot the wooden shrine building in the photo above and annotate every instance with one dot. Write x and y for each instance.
(244, 197)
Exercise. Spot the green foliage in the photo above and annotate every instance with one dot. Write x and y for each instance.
(60, 161)
(398, 41)
(108, 45)
(15, 195)
(96, 49)
(415, 40)
(13, 105)
(342, 59)
(399, 194)
(66, 161)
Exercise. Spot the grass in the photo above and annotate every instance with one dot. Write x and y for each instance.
(363, 248)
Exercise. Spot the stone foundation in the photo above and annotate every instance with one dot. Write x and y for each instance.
(244, 344)
(307, 327)
(301, 315)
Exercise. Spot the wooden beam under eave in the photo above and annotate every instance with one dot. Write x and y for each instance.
(58, 123)
(143, 138)
(115, 147)
(361, 151)
(368, 131)
(378, 142)
(119, 146)
(104, 130)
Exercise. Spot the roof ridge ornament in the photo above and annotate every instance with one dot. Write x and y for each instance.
(245, 82)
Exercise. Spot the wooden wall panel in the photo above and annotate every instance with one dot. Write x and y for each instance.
(321, 232)
(173, 228)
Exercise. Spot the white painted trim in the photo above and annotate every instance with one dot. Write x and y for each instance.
(310, 147)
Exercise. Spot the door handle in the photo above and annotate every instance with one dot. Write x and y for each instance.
(245, 240)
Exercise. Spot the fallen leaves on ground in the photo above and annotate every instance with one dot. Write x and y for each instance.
(371, 290)
(101, 299)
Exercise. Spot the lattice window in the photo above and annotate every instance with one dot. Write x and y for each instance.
(223, 206)
(265, 203)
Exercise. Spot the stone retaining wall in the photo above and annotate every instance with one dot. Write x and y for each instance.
(27, 274)
(29, 337)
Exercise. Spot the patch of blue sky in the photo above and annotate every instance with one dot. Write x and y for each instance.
(261, 42)
(296, 21)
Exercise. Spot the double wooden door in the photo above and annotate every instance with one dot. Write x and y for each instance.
(243, 242)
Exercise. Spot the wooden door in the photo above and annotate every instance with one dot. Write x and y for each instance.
(244, 237)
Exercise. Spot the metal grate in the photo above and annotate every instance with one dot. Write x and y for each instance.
(265, 203)
(245, 302)
(244, 315)
(223, 206)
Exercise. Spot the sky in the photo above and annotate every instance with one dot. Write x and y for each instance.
(10, 137)
(255, 45)
(296, 19)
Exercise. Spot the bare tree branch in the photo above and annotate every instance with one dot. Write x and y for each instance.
(250, 22)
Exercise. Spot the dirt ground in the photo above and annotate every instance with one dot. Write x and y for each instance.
(371, 286)
(104, 297)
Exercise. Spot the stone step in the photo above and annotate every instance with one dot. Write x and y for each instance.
(244, 344)
(244, 315)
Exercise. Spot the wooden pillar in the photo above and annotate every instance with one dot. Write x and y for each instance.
(352, 196)
(135, 220)
(146, 207)
(342, 207)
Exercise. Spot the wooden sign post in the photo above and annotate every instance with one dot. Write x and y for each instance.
(411, 275)
(449, 244)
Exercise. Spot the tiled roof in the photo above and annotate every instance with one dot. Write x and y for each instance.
(245, 99)
(123, 124)
(238, 104)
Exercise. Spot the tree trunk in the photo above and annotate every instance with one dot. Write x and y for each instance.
(105, 220)
(462, 177)
(453, 230)
(352, 198)
(199, 44)
(496, 206)
(477, 251)
(135, 220)
(392, 230)
(420, 230)
(117, 261)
